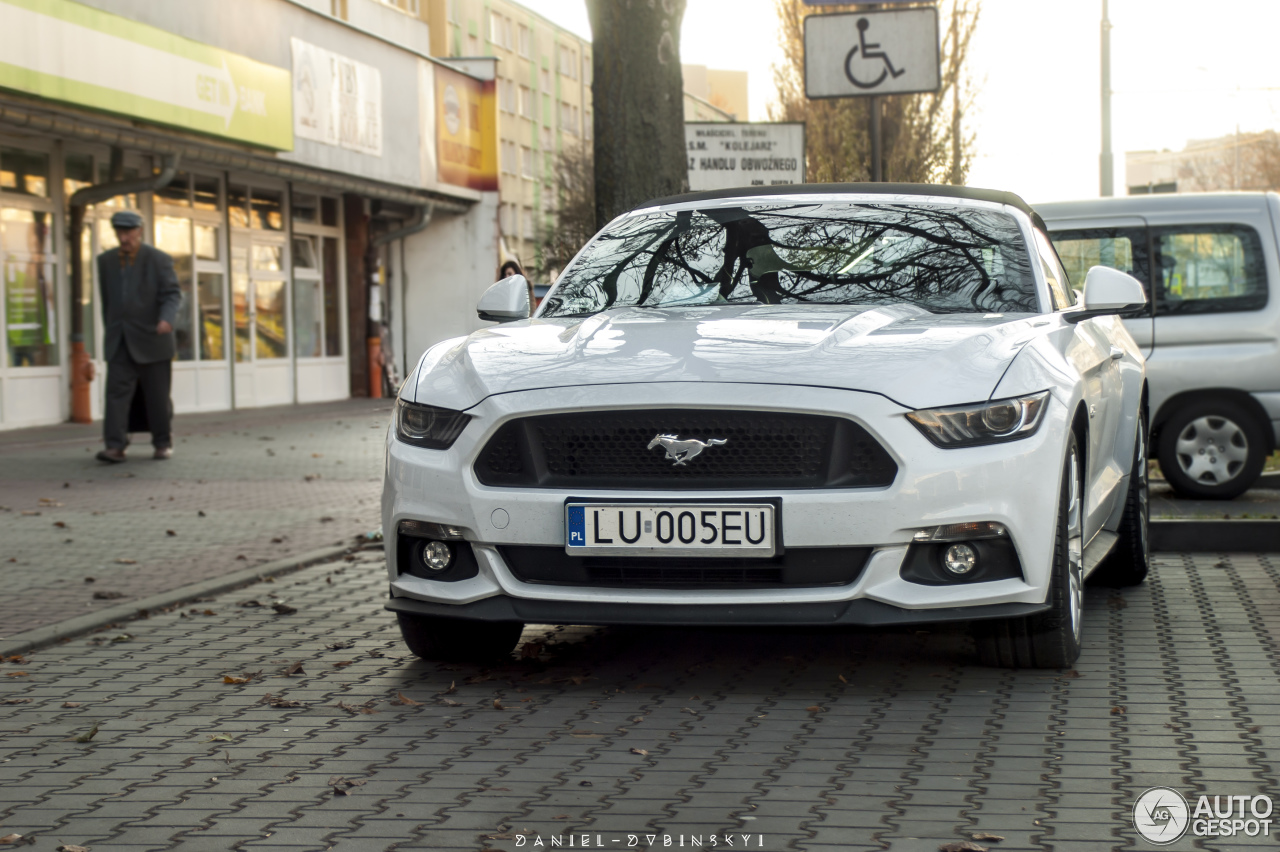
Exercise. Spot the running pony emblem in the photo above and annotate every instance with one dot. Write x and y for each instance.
(681, 451)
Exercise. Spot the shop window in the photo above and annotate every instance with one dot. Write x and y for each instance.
(238, 206)
(173, 237)
(266, 212)
(212, 346)
(128, 202)
(77, 173)
(268, 258)
(27, 280)
(332, 299)
(240, 303)
(87, 291)
(24, 172)
(329, 212)
(177, 193)
(206, 242)
(206, 193)
(269, 319)
(305, 209)
(308, 299)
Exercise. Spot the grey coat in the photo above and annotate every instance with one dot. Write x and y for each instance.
(135, 300)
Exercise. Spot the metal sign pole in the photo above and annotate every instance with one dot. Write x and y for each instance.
(877, 168)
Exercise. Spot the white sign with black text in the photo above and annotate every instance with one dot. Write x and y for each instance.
(725, 155)
(337, 100)
(890, 52)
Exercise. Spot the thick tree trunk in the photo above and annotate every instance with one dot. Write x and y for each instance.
(637, 95)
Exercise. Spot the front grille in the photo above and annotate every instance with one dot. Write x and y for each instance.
(610, 449)
(795, 568)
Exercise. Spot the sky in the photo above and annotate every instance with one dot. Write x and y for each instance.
(1181, 69)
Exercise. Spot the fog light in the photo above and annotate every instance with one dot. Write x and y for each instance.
(959, 559)
(437, 555)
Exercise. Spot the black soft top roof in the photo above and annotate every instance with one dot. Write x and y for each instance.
(935, 189)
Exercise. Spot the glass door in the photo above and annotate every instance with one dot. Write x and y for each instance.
(260, 298)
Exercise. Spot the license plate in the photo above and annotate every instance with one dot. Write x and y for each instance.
(681, 529)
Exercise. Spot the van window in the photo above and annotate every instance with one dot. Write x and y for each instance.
(1124, 249)
(1209, 269)
(1055, 275)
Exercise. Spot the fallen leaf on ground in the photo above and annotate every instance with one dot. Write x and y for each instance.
(984, 835)
(531, 650)
(453, 687)
(107, 596)
(126, 562)
(71, 847)
(450, 702)
(843, 679)
(220, 738)
(497, 705)
(62, 525)
(170, 533)
(9, 839)
(341, 646)
(814, 708)
(200, 514)
(640, 752)
(342, 786)
(579, 680)
(15, 658)
(326, 520)
(365, 708)
(689, 710)
(15, 674)
(405, 700)
(233, 679)
(562, 816)
(85, 737)
(1118, 710)
(293, 669)
(584, 783)
(1072, 673)
(376, 653)
(70, 705)
(279, 701)
(311, 477)
(277, 541)
(15, 700)
(341, 664)
(962, 846)
(249, 603)
(284, 609)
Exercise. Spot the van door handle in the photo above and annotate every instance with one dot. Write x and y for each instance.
(1116, 353)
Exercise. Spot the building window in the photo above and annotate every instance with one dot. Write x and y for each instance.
(546, 81)
(500, 30)
(586, 125)
(546, 137)
(526, 42)
(507, 95)
(509, 165)
(527, 229)
(454, 18)
(526, 162)
(527, 108)
(586, 69)
(568, 62)
(569, 118)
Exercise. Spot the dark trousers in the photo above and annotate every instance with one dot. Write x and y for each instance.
(126, 376)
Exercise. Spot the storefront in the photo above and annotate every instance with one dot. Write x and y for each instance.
(285, 190)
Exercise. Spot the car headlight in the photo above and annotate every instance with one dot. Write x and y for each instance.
(990, 422)
(428, 426)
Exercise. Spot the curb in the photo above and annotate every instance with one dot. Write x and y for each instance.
(1215, 536)
(40, 637)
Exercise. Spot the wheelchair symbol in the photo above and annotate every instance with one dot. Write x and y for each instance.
(869, 51)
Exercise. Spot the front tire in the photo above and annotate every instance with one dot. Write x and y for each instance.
(1212, 450)
(450, 639)
(1050, 639)
(1130, 560)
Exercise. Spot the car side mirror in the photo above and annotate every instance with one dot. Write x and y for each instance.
(506, 301)
(1108, 291)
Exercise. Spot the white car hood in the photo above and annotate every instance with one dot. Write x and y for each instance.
(913, 357)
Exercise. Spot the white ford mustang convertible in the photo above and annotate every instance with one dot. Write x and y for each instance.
(865, 404)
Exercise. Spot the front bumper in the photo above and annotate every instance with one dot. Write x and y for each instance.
(1015, 484)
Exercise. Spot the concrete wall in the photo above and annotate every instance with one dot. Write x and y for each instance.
(450, 265)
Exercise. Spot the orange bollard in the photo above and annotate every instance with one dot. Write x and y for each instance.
(375, 368)
(81, 375)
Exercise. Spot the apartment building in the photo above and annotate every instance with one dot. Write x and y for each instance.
(544, 105)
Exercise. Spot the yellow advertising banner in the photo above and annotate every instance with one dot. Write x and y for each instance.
(466, 130)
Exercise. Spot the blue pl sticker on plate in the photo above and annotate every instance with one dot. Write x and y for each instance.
(577, 532)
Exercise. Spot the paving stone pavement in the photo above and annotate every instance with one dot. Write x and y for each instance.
(798, 739)
(242, 489)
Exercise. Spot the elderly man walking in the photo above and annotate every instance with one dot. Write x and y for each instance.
(140, 301)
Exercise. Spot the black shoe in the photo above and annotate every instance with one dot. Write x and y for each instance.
(112, 456)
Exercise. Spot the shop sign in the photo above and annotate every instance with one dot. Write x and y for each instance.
(64, 51)
(29, 314)
(725, 155)
(337, 100)
(466, 130)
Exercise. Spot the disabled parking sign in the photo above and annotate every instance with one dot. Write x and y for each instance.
(890, 52)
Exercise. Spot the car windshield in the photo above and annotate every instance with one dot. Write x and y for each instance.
(943, 258)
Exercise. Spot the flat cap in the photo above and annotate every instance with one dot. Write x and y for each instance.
(123, 220)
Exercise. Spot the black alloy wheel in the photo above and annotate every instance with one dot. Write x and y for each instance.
(1130, 560)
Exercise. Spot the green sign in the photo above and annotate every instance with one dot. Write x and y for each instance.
(64, 51)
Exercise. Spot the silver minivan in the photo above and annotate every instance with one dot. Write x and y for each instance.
(1211, 328)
